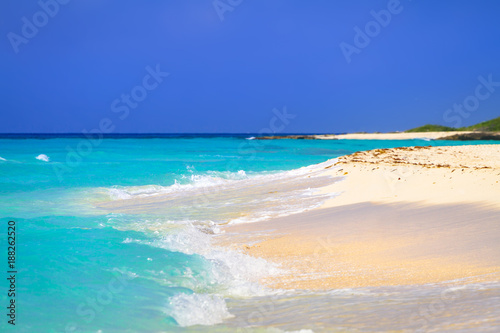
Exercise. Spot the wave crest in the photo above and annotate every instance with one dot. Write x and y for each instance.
(43, 157)
(198, 309)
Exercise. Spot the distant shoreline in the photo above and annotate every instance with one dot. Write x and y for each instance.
(445, 135)
(451, 135)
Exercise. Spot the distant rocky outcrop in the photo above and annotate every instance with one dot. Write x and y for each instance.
(473, 136)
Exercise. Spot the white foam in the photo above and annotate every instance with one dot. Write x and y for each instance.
(228, 272)
(214, 179)
(235, 273)
(43, 157)
(129, 240)
(235, 197)
(198, 309)
(2, 159)
(118, 193)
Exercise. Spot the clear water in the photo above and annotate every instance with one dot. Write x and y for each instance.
(114, 235)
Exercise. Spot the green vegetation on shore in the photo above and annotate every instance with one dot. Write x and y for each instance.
(492, 125)
(432, 128)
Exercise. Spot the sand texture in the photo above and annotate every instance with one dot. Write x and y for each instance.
(402, 216)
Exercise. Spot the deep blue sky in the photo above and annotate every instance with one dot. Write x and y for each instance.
(227, 76)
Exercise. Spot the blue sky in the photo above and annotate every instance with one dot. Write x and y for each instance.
(231, 62)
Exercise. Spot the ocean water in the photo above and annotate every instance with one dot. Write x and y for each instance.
(115, 235)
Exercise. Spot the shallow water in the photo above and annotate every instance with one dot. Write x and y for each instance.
(118, 238)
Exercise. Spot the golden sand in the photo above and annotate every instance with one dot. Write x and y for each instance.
(429, 175)
(403, 216)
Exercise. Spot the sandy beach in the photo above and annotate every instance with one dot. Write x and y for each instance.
(402, 216)
(391, 136)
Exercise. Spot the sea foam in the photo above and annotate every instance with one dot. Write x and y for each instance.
(43, 157)
(229, 197)
(230, 272)
(198, 309)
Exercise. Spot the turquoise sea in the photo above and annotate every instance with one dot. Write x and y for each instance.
(115, 235)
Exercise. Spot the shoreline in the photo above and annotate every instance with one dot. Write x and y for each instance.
(403, 216)
(427, 136)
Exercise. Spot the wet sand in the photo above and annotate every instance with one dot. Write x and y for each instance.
(403, 216)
